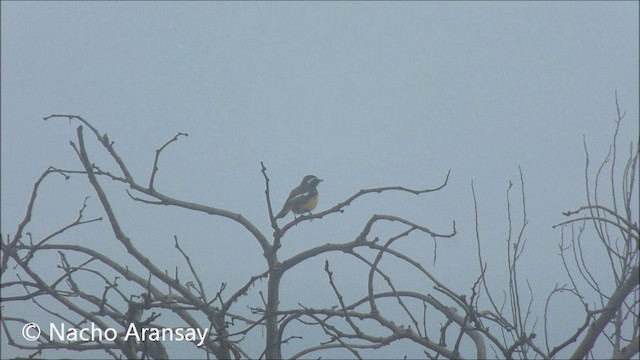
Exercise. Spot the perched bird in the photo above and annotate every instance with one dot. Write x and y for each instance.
(303, 198)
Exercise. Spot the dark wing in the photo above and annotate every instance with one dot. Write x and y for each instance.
(296, 196)
(298, 199)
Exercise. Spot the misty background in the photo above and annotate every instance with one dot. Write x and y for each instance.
(361, 94)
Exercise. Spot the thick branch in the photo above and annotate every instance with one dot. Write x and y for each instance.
(609, 312)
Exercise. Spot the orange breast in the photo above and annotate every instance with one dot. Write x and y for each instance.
(308, 206)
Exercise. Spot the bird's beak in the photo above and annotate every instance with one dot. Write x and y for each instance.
(320, 180)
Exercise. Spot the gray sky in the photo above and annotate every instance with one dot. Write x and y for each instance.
(361, 94)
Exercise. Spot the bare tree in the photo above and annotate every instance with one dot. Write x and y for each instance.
(612, 316)
(385, 314)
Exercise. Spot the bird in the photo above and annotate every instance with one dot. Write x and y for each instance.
(303, 198)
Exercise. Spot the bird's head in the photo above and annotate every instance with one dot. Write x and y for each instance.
(311, 180)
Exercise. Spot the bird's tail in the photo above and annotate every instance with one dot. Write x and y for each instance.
(282, 212)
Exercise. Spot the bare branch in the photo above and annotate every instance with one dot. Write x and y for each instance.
(609, 312)
(158, 151)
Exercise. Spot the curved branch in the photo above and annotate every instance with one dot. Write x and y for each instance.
(165, 200)
(120, 235)
(609, 312)
(600, 207)
(360, 241)
(340, 206)
(158, 151)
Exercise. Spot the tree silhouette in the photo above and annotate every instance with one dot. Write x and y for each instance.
(107, 294)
